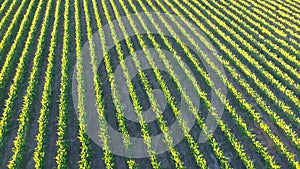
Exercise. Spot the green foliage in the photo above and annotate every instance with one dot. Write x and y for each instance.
(85, 152)
(266, 53)
(20, 140)
(61, 157)
(244, 104)
(9, 103)
(8, 12)
(40, 150)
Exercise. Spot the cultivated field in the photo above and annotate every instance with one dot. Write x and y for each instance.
(225, 73)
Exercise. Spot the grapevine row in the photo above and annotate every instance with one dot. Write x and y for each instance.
(6, 68)
(244, 104)
(192, 144)
(3, 5)
(41, 137)
(293, 34)
(292, 3)
(20, 70)
(61, 143)
(262, 85)
(85, 153)
(262, 46)
(237, 92)
(271, 37)
(280, 104)
(12, 27)
(259, 146)
(280, 123)
(7, 13)
(24, 117)
(132, 91)
(219, 153)
(268, 17)
(291, 10)
(103, 135)
(223, 126)
(289, 21)
(263, 25)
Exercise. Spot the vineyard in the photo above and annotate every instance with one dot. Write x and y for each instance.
(173, 84)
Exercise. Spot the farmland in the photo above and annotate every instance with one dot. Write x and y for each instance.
(149, 84)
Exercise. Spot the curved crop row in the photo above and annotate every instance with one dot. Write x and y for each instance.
(288, 9)
(200, 122)
(41, 137)
(115, 95)
(248, 106)
(119, 115)
(281, 123)
(279, 103)
(292, 34)
(154, 105)
(262, 86)
(292, 4)
(260, 148)
(6, 68)
(267, 16)
(282, 51)
(292, 29)
(20, 140)
(223, 126)
(20, 70)
(272, 31)
(3, 5)
(245, 106)
(85, 153)
(12, 27)
(192, 143)
(7, 13)
(265, 20)
(257, 45)
(262, 46)
(289, 21)
(131, 89)
(61, 143)
(103, 135)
